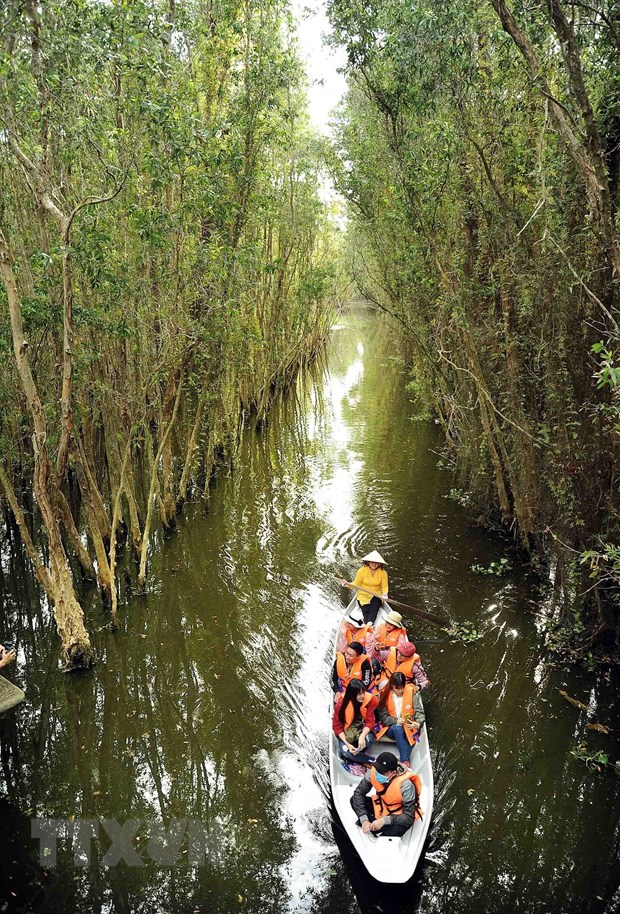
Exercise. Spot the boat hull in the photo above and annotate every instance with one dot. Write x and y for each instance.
(387, 859)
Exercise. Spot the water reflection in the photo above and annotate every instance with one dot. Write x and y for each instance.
(211, 702)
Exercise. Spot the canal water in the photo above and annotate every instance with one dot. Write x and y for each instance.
(210, 703)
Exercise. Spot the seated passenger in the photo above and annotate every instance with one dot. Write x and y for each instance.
(403, 659)
(396, 804)
(349, 632)
(389, 633)
(401, 714)
(350, 664)
(354, 722)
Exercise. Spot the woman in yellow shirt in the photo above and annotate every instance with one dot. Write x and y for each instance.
(371, 576)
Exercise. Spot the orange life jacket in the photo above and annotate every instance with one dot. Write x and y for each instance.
(344, 674)
(406, 667)
(352, 633)
(407, 708)
(388, 799)
(349, 714)
(390, 639)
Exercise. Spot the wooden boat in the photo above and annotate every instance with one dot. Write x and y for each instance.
(10, 695)
(386, 859)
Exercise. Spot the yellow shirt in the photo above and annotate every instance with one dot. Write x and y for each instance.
(377, 583)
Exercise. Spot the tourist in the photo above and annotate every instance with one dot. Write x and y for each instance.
(401, 715)
(354, 722)
(404, 659)
(396, 804)
(351, 664)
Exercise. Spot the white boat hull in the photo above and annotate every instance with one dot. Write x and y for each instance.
(387, 859)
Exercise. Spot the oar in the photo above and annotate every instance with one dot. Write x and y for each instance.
(437, 620)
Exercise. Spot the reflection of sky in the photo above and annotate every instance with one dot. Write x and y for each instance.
(335, 498)
(332, 482)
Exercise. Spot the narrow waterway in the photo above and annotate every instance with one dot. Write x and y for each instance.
(211, 701)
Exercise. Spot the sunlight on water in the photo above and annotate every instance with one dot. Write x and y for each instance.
(212, 701)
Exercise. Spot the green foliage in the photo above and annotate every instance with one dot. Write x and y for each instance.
(460, 497)
(465, 632)
(199, 247)
(470, 226)
(607, 374)
(594, 760)
(603, 563)
(497, 568)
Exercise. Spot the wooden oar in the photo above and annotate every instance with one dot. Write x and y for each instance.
(437, 620)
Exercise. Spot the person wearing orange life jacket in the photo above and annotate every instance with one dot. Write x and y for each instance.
(395, 805)
(371, 576)
(401, 715)
(348, 665)
(354, 722)
(390, 632)
(404, 659)
(349, 632)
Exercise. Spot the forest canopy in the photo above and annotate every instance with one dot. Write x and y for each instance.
(479, 152)
(166, 265)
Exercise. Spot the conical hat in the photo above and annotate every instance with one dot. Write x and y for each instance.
(374, 556)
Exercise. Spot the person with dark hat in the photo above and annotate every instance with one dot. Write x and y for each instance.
(395, 805)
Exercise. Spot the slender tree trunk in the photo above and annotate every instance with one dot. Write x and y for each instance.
(149, 513)
(68, 613)
(192, 446)
(117, 504)
(40, 570)
(98, 507)
(584, 151)
(103, 568)
(73, 536)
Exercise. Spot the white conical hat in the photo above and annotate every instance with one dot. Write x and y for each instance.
(374, 556)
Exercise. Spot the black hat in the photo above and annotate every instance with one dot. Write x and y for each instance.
(386, 762)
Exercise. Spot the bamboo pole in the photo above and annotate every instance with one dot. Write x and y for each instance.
(437, 620)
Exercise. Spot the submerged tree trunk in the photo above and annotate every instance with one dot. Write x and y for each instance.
(154, 473)
(77, 649)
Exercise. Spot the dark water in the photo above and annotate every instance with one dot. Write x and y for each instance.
(210, 703)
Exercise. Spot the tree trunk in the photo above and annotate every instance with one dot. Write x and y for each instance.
(149, 512)
(586, 154)
(77, 649)
(103, 568)
(117, 504)
(40, 570)
(73, 536)
(192, 445)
